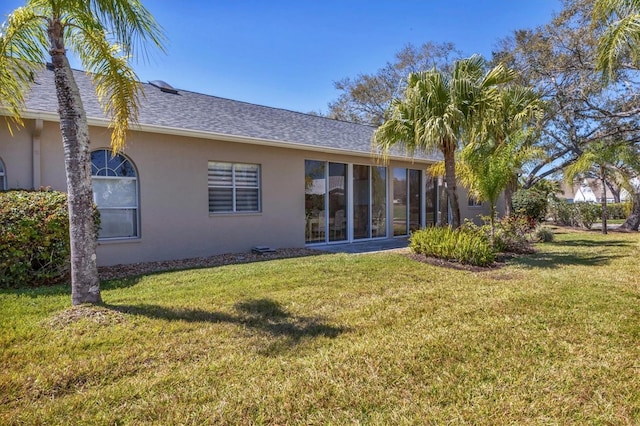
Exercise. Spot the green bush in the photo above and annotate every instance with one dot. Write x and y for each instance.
(34, 238)
(461, 245)
(563, 213)
(588, 214)
(513, 234)
(531, 204)
(581, 213)
(618, 210)
(544, 234)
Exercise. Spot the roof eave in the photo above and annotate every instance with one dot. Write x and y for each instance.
(167, 130)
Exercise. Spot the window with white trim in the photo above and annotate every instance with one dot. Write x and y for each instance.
(3, 177)
(234, 187)
(115, 192)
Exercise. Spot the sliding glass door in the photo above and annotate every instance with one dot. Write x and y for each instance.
(408, 204)
(326, 199)
(315, 187)
(337, 211)
(369, 202)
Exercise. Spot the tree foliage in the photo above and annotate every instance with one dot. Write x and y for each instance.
(439, 109)
(366, 98)
(559, 61)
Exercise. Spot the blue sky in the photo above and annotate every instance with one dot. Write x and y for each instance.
(288, 53)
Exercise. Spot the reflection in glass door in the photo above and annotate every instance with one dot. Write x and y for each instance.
(337, 219)
(399, 201)
(407, 201)
(361, 202)
(325, 201)
(415, 200)
(369, 202)
(314, 201)
(379, 202)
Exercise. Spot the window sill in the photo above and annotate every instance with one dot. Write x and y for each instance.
(110, 241)
(237, 214)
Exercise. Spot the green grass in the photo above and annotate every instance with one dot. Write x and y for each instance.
(552, 338)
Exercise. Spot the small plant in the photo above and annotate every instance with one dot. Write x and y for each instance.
(462, 245)
(544, 234)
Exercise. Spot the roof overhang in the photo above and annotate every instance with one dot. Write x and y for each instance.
(167, 130)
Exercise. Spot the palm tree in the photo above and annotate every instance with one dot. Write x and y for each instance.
(488, 168)
(621, 35)
(512, 115)
(104, 34)
(438, 109)
(608, 162)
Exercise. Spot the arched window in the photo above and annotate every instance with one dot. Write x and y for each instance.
(115, 192)
(3, 177)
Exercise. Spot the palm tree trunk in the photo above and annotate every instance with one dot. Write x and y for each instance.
(633, 221)
(604, 200)
(85, 284)
(450, 179)
(443, 206)
(493, 224)
(508, 197)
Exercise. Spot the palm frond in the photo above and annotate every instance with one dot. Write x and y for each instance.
(115, 81)
(22, 46)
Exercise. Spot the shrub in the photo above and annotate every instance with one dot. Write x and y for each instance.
(563, 213)
(544, 234)
(462, 245)
(531, 204)
(512, 234)
(588, 214)
(618, 210)
(34, 238)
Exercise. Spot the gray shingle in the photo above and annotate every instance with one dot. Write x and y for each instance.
(192, 111)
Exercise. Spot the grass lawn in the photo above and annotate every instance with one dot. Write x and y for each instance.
(552, 338)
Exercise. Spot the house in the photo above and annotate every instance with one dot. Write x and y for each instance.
(203, 175)
(590, 190)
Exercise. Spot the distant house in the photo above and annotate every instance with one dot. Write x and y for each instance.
(590, 191)
(202, 175)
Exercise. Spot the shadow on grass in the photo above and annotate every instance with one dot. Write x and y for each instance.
(264, 315)
(555, 260)
(592, 243)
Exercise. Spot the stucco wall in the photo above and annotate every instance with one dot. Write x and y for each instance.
(172, 173)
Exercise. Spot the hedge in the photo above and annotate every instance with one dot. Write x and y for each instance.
(34, 238)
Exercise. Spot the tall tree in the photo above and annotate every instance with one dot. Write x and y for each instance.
(438, 109)
(559, 61)
(620, 40)
(598, 160)
(618, 55)
(366, 97)
(104, 34)
(511, 121)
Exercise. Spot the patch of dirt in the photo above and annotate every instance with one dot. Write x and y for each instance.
(92, 313)
(133, 269)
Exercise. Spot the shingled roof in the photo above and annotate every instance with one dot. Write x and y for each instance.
(210, 115)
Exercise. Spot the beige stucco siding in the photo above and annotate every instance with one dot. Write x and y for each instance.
(172, 171)
(15, 151)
